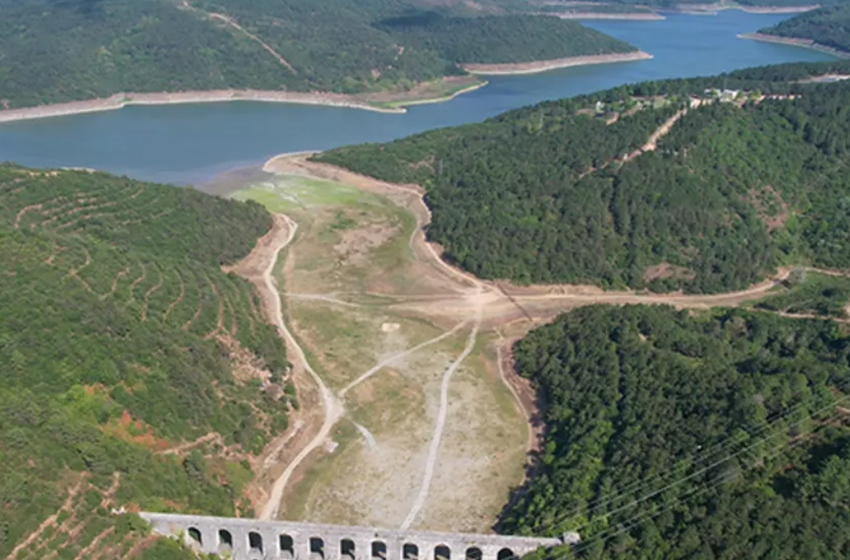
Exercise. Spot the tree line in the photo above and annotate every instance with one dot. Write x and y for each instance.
(557, 193)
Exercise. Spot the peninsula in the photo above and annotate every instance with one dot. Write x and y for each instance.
(826, 29)
(105, 54)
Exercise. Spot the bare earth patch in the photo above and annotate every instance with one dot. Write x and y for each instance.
(433, 425)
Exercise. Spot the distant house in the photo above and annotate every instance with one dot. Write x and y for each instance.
(723, 95)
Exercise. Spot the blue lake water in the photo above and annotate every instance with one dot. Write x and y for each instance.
(191, 143)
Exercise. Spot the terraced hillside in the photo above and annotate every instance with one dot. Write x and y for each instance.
(135, 373)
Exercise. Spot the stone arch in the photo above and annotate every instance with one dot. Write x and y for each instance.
(474, 553)
(317, 547)
(347, 548)
(442, 552)
(287, 546)
(225, 540)
(409, 551)
(255, 542)
(379, 549)
(506, 554)
(196, 539)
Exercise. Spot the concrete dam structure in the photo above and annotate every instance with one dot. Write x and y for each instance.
(252, 539)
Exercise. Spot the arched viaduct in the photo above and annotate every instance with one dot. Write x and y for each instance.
(252, 539)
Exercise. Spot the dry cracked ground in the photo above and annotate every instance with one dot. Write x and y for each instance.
(423, 422)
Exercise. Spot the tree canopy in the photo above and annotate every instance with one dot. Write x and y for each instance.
(121, 338)
(572, 191)
(828, 26)
(66, 50)
(674, 435)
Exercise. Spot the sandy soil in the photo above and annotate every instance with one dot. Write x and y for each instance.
(428, 92)
(650, 16)
(545, 65)
(702, 8)
(795, 41)
(426, 400)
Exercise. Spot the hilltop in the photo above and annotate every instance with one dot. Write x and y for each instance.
(136, 373)
(72, 50)
(703, 184)
(825, 27)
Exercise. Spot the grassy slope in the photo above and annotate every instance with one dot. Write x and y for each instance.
(121, 337)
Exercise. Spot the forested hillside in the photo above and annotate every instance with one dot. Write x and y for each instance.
(54, 51)
(594, 189)
(828, 26)
(120, 339)
(672, 435)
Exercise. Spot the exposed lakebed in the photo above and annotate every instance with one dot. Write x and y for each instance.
(192, 143)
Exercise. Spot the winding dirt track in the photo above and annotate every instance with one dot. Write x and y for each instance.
(332, 406)
(434, 448)
(492, 305)
(258, 267)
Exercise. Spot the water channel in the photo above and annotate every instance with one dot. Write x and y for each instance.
(192, 143)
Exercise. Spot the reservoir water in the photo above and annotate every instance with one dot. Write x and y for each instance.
(191, 143)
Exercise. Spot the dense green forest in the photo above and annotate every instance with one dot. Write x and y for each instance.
(559, 192)
(63, 50)
(120, 338)
(679, 435)
(828, 26)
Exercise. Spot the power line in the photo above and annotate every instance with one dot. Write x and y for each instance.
(622, 496)
(640, 518)
(704, 455)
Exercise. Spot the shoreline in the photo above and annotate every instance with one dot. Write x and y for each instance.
(634, 16)
(712, 9)
(121, 100)
(546, 65)
(392, 106)
(795, 42)
(433, 100)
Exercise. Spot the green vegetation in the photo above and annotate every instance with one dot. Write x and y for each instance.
(287, 193)
(673, 435)
(498, 39)
(828, 26)
(810, 293)
(555, 193)
(57, 51)
(121, 336)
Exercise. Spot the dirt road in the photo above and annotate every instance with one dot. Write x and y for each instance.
(333, 408)
(258, 268)
(456, 298)
(434, 448)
